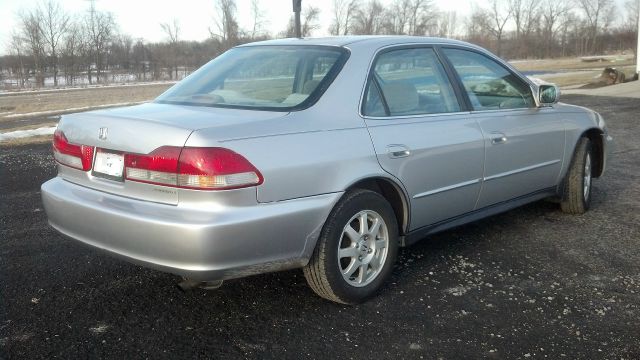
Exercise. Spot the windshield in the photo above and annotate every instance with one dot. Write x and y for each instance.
(280, 78)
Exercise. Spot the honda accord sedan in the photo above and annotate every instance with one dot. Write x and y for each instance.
(322, 154)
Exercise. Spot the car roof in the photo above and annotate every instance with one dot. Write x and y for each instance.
(373, 40)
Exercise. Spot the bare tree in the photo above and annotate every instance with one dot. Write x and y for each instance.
(525, 16)
(54, 25)
(552, 13)
(16, 46)
(99, 28)
(140, 59)
(73, 46)
(411, 17)
(309, 22)
(32, 35)
(259, 20)
(422, 15)
(343, 13)
(447, 24)
(598, 15)
(495, 21)
(226, 22)
(396, 18)
(369, 19)
(476, 25)
(172, 31)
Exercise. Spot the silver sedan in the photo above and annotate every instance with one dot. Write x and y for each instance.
(322, 154)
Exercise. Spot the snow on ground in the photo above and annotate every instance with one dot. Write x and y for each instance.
(27, 133)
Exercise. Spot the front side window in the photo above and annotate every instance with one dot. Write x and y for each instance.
(489, 85)
(264, 77)
(409, 82)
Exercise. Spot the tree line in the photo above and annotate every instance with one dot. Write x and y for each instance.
(51, 44)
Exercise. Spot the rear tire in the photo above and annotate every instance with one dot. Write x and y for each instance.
(351, 262)
(576, 194)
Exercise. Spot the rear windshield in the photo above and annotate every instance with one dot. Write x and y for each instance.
(280, 78)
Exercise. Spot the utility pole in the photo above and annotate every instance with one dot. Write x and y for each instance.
(297, 7)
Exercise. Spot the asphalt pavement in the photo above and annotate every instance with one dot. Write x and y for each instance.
(529, 283)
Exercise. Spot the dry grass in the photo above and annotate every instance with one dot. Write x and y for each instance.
(568, 64)
(59, 100)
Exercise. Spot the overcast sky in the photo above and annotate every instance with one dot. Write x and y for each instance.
(142, 18)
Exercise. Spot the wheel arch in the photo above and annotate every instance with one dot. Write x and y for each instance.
(393, 193)
(595, 136)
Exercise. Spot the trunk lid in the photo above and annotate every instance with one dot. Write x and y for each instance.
(140, 130)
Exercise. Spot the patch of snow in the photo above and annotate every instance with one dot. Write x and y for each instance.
(99, 329)
(457, 291)
(27, 133)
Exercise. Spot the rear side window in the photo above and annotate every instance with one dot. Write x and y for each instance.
(409, 82)
(489, 85)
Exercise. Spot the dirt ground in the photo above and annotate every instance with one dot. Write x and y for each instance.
(530, 283)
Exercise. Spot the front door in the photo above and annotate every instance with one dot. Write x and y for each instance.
(524, 144)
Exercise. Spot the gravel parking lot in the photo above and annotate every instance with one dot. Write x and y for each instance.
(530, 283)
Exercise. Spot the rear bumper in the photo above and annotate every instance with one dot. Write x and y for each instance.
(213, 243)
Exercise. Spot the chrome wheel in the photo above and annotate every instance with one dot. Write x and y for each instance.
(586, 183)
(362, 249)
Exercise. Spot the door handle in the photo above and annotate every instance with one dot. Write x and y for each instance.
(398, 151)
(498, 138)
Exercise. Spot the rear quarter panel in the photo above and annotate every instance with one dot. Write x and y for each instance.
(322, 149)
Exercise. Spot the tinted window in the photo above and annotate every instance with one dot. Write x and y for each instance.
(265, 77)
(412, 81)
(488, 84)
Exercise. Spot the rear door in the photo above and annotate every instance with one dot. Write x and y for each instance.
(524, 144)
(421, 135)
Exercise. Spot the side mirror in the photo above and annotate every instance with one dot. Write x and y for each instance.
(548, 94)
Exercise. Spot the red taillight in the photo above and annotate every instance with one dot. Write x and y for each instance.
(193, 168)
(158, 167)
(72, 155)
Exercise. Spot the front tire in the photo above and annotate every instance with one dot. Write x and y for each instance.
(356, 249)
(576, 195)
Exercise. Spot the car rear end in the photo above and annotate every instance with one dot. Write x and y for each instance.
(172, 185)
(130, 186)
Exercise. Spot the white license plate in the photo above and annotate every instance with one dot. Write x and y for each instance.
(108, 163)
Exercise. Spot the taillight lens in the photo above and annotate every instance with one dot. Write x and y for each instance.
(158, 167)
(72, 155)
(193, 168)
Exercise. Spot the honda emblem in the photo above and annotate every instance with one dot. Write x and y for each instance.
(102, 134)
